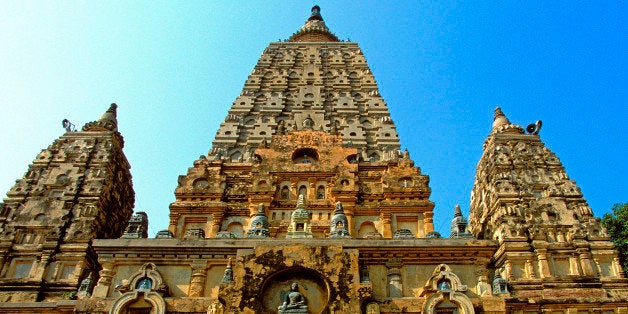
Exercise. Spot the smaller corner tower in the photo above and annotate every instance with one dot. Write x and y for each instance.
(524, 199)
(76, 190)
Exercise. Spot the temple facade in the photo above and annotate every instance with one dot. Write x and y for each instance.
(304, 204)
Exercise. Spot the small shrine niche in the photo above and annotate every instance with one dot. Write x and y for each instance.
(143, 292)
(305, 156)
(300, 221)
(259, 224)
(445, 293)
(339, 225)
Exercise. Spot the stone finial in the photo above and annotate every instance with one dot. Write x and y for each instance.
(300, 221)
(107, 122)
(164, 234)
(301, 201)
(501, 124)
(499, 119)
(457, 211)
(314, 29)
(316, 14)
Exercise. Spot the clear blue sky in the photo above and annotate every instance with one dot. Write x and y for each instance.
(175, 67)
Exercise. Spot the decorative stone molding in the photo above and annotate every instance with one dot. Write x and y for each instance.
(444, 286)
(146, 278)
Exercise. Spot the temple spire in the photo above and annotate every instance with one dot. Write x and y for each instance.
(499, 118)
(107, 122)
(316, 14)
(501, 124)
(314, 29)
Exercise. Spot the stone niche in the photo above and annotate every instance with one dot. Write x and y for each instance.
(327, 277)
(311, 285)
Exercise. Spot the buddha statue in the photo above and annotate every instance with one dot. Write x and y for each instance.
(294, 301)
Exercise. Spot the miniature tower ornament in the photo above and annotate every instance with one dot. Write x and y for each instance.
(227, 277)
(300, 221)
(459, 225)
(259, 224)
(339, 227)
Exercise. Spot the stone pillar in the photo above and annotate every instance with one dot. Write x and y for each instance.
(40, 268)
(544, 270)
(574, 267)
(104, 283)
(349, 211)
(215, 224)
(585, 262)
(509, 275)
(428, 222)
(619, 272)
(197, 279)
(395, 286)
(78, 270)
(294, 192)
(311, 189)
(386, 225)
(598, 267)
(530, 270)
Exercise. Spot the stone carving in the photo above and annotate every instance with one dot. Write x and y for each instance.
(294, 302)
(500, 286)
(194, 233)
(216, 308)
(137, 226)
(84, 289)
(339, 224)
(372, 308)
(164, 234)
(259, 224)
(433, 235)
(300, 221)
(403, 234)
(459, 225)
(227, 277)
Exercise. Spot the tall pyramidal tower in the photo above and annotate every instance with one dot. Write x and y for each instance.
(310, 120)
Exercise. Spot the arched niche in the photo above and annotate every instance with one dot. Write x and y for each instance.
(442, 273)
(366, 228)
(236, 228)
(446, 293)
(139, 301)
(450, 302)
(147, 278)
(141, 293)
(305, 156)
(311, 284)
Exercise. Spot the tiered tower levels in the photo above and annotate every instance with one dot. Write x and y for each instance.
(310, 120)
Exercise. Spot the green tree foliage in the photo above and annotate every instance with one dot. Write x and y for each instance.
(617, 225)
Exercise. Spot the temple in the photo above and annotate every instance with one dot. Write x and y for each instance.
(304, 203)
